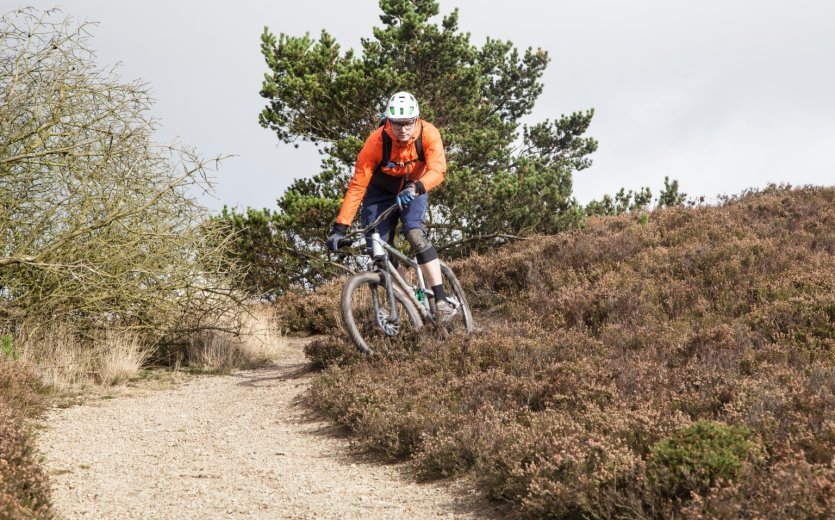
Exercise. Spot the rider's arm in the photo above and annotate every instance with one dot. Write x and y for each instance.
(368, 159)
(433, 149)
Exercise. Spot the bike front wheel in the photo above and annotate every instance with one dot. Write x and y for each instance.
(367, 313)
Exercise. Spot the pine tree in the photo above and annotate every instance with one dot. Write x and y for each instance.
(504, 179)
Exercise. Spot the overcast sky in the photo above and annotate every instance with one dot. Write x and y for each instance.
(722, 95)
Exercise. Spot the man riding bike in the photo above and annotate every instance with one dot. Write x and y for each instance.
(400, 162)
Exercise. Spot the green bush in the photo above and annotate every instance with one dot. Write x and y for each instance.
(7, 347)
(698, 456)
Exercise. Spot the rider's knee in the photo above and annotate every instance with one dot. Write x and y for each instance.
(421, 245)
(418, 240)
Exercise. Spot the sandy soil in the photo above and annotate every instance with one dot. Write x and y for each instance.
(232, 446)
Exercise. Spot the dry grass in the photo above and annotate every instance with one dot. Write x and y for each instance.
(57, 356)
(251, 338)
(63, 360)
(119, 357)
(608, 351)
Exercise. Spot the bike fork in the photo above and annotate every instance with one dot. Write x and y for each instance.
(394, 313)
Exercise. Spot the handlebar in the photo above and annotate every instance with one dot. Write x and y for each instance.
(348, 239)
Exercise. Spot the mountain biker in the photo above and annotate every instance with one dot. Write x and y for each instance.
(416, 164)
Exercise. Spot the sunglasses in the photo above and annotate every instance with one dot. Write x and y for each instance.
(403, 124)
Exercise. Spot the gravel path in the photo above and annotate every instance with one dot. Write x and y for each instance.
(235, 446)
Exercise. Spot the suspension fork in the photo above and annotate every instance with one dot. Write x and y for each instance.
(378, 253)
(394, 313)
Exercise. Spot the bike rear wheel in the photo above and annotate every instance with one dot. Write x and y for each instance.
(463, 320)
(366, 311)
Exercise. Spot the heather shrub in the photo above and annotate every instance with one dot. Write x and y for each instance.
(20, 389)
(791, 488)
(24, 488)
(311, 313)
(553, 464)
(331, 351)
(680, 368)
(695, 458)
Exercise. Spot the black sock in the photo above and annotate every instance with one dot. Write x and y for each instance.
(440, 294)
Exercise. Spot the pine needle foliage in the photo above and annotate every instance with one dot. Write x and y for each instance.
(504, 179)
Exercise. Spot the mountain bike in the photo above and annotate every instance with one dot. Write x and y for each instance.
(388, 302)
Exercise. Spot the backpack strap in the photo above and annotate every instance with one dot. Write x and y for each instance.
(391, 183)
(387, 147)
(386, 150)
(419, 146)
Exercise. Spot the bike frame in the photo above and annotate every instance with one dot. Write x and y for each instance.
(382, 264)
(381, 272)
(381, 261)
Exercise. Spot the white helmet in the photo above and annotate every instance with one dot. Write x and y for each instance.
(402, 107)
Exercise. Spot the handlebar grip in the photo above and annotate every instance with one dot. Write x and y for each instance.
(345, 242)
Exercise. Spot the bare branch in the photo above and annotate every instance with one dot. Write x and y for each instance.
(97, 222)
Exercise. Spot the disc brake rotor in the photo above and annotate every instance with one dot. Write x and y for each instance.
(390, 327)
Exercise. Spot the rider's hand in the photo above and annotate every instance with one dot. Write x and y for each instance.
(337, 234)
(405, 197)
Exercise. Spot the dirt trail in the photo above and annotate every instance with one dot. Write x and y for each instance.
(235, 446)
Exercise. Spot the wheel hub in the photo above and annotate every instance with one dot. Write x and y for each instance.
(390, 327)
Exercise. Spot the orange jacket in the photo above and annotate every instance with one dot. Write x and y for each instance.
(429, 174)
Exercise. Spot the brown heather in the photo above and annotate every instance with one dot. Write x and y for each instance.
(316, 312)
(24, 489)
(605, 353)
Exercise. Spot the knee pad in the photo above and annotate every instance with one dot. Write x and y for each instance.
(418, 239)
(421, 246)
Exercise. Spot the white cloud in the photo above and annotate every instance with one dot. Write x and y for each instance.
(720, 95)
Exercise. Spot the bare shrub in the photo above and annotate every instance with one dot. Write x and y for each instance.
(99, 225)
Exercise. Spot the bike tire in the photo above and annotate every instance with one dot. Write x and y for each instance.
(463, 321)
(359, 315)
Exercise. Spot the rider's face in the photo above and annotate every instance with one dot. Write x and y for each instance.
(403, 131)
